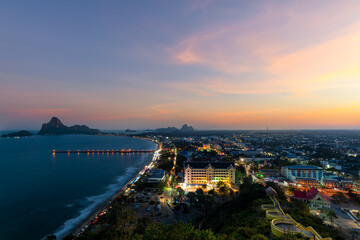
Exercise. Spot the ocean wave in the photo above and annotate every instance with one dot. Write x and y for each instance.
(70, 205)
(94, 203)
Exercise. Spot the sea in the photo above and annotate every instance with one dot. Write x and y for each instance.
(43, 194)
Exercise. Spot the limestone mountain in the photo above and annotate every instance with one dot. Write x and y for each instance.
(186, 128)
(56, 127)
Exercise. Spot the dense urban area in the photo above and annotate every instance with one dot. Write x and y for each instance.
(239, 185)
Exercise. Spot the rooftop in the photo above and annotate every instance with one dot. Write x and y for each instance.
(203, 165)
(303, 167)
(158, 174)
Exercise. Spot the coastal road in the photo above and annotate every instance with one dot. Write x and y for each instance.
(345, 222)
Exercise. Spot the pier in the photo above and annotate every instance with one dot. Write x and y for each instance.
(103, 151)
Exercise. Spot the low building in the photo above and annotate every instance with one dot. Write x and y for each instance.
(269, 172)
(327, 164)
(209, 173)
(157, 176)
(304, 174)
(313, 197)
(333, 181)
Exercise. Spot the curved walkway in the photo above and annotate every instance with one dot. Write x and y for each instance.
(283, 224)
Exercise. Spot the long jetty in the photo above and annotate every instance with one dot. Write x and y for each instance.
(103, 151)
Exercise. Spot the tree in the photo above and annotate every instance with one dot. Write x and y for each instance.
(180, 191)
(199, 191)
(220, 184)
(231, 192)
(178, 230)
(223, 190)
(161, 185)
(330, 214)
(339, 197)
(69, 237)
(353, 196)
(191, 197)
(258, 236)
(206, 201)
(173, 183)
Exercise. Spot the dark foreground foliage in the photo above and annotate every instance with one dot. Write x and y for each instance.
(301, 213)
(239, 218)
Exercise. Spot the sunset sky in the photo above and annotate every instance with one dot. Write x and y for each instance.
(211, 64)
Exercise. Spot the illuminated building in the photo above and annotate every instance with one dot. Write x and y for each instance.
(209, 173)
(303, 174)
(339, 183)
(205, 147)
(313, 197)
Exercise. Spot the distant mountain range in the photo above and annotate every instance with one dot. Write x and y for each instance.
(184, 129)
(55, 127)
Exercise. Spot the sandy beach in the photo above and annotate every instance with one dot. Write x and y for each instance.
(92, 216)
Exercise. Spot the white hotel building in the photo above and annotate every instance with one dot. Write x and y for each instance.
(200, 173)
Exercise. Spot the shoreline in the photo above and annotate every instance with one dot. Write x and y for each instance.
(84, 224)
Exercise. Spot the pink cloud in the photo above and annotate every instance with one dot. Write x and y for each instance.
(265, 47)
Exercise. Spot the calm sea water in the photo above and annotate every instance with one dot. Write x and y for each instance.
(42, 194)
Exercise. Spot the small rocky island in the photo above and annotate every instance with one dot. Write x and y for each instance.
(22, 133)
(56, 127)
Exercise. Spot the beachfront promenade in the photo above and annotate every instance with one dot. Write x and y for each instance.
(104, 209)
(283, 224)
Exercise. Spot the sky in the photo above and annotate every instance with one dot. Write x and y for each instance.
(211, 64)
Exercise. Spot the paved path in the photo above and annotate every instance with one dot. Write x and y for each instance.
(290, 227)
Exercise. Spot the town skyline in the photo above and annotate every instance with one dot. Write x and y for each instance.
(233, 65)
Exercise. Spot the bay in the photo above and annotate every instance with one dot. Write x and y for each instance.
(42, 193)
